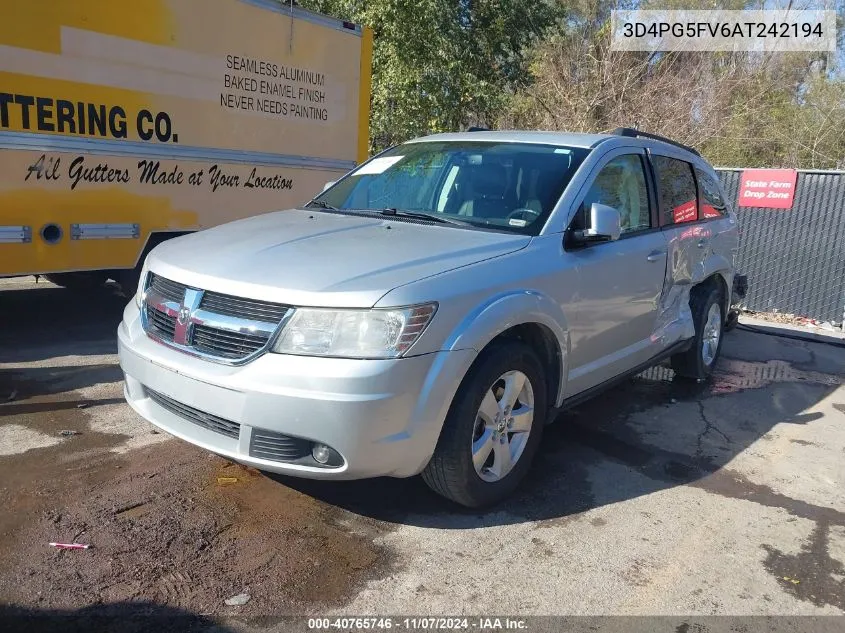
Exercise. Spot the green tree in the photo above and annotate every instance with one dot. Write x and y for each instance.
(440, 65)
(739, 109)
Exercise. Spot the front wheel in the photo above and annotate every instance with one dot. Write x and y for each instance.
(708, 315)
(493, 427)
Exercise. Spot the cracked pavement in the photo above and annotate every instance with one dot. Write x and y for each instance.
(660, 497)
(708, 426)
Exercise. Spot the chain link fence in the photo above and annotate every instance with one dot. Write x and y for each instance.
(795, 259)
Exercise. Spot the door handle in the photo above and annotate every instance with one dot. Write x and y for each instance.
(702, 243)
(655, 256)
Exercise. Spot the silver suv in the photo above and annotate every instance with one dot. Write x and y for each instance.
(432, 310)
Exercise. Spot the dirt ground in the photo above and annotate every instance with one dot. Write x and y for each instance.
(163, 529)
(797, 321)
(660, 497)
(166, 522)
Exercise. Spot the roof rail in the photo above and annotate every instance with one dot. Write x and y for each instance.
(633, 132)
(475, 128)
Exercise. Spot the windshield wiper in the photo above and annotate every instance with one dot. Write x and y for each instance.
(392, 211)
(322, 204)
(420, 215)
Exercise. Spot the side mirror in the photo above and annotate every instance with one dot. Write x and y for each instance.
(605, 225)
(329, 184)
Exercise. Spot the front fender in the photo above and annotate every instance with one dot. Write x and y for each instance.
(504, 311)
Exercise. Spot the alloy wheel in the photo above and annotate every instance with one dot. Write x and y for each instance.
(502, 426)
(711, 335)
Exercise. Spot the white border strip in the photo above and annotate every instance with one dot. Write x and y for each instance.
(108, 72)
(62, 143)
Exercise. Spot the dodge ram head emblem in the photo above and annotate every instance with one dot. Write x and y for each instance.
(184, 315)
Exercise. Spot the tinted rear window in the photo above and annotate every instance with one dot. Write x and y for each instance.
(710, 197)
(676, 186)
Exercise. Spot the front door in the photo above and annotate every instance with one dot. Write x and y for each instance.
(613, 319)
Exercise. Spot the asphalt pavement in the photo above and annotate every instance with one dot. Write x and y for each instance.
(660, 497)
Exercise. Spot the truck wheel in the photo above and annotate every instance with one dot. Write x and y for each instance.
(707, 313)
(493, 427)
(128, 281)
(83, 281)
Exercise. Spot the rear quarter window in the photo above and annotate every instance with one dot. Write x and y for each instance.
(711, 201)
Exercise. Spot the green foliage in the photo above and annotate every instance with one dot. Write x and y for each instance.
(440, 65)
(787, 126)
(739, 109)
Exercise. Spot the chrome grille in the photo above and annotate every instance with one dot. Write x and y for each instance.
(170, 290)
(277, 447)
(243, 308)
(200, 418)
(217, 326)
(163, 324)
(226, 344)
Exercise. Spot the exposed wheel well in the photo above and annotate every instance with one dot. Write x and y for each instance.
(543, 341)
(716, 280)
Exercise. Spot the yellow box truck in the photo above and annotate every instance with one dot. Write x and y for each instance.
(125, 123)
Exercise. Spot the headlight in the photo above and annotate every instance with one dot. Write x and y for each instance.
(377, 333)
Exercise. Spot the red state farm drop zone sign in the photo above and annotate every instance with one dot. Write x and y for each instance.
(769, 188)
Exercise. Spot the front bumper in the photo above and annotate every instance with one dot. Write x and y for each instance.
(382, 416)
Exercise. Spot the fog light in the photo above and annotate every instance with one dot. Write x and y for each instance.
(321, 453)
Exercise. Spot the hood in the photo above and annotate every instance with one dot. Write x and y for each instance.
(310, 258)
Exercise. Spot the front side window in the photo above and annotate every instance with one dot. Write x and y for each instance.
(621, 184)
(712, 203)
(677, 190)
(499, 185)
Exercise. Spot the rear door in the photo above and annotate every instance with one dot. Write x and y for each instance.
(716, 217)
(690, 239)
(677, 192)
(621, 282)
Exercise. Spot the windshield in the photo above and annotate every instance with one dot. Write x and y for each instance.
(506, 186)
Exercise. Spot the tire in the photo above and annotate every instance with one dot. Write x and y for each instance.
(452, 472)
(85, 281)
(707, 306)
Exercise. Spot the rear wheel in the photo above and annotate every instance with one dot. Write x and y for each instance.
(493, 427)
(708, 315)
